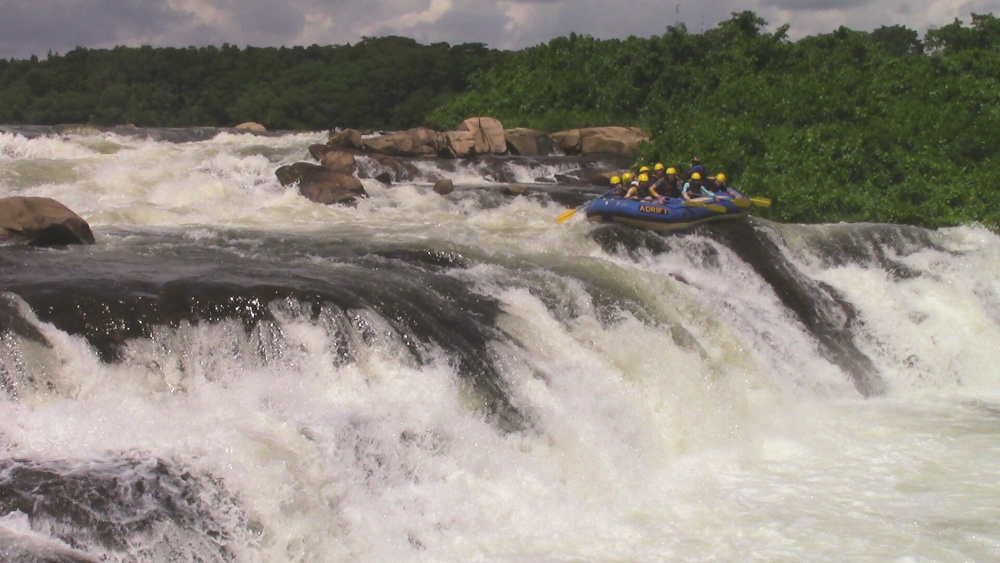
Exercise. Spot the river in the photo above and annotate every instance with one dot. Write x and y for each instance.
(234, 373)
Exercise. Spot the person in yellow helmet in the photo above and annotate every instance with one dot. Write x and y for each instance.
(666, 183)
(617, 189)
(692, 190)
(717, 187)
(641, 188)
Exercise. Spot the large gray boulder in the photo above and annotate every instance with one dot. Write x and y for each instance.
(41, 221)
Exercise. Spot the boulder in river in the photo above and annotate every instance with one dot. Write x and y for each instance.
(594, 141)
(321, 184)
(41, 221)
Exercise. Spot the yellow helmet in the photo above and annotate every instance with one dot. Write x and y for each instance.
(671, 170)
(658, 166)
(696, 176)
(627, 177)
(615, 180)
(643, 177)
(720, 177)
(643, 169)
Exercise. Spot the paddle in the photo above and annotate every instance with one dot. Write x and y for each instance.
(565, 215)
(710, 206)
(761, 201)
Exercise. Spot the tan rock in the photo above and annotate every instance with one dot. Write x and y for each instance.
(338, 188)
(488, 134)
(412, 142)
(41, 221)
(339, 161)
(527, 142)
(622, 141)
(384, 144)
(461, 144)
(345, 139)
(252, 126)
(567, 141)
(320, 184)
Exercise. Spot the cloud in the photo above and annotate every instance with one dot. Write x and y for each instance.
(814, 5)
(39, 26)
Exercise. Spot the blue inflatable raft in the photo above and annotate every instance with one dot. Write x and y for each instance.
(668, 214)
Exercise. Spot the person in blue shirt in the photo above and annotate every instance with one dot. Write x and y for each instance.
(696, 167)
(693, 190)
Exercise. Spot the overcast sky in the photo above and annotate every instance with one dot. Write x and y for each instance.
(39, 26)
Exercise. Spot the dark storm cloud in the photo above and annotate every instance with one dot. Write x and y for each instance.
(38, 26)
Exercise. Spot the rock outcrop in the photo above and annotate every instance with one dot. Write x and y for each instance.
(252, 126)
(412, 142)
(41, 221)
(321, 184)
(487, 133)
(594, 141)
(528, 142)
(336, 178)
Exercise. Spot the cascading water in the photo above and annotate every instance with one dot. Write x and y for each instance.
(234, 373)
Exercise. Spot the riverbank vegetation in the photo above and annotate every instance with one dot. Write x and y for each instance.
(378, 83)
(881, 126)
(878, 126)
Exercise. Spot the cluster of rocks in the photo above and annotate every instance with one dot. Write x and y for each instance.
(337, 179)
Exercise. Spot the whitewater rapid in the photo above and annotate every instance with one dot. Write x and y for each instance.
(234, 373)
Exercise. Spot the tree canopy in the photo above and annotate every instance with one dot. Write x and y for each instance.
(388, 82)
(842, 126)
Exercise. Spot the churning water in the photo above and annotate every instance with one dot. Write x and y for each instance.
(234, 373)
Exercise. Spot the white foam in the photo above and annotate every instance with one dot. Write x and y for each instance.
(698, 421)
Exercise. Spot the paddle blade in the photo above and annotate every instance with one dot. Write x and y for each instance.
(740, 202)
(710, 206)
(761, 201)
(565, 215)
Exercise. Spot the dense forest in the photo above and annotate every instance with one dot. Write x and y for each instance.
(878, 126)
(884, 126)
(378, 83)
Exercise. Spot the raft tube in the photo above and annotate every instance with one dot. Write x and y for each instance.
(667, 214)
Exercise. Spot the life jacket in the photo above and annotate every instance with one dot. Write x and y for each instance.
(667, 187)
